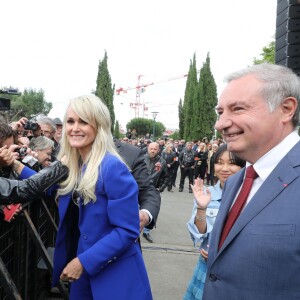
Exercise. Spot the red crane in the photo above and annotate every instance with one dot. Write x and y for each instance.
(140, 88)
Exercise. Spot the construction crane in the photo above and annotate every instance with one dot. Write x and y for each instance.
(140, 88)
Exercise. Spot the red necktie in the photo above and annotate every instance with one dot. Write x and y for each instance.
(239, 203)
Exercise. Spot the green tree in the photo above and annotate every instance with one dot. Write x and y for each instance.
(190, 96)
(200, 99)
(267, 55)
(117, 130)
(181, 119)
(104, 88)
(144, 126)
(175, 135)
(207, 92)
(29, 104)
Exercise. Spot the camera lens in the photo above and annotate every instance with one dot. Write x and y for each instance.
(27, 126)
(33, 126)
(22, 151)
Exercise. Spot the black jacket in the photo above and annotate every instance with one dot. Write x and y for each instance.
(149, 197)
(21, 191)
(159, 178)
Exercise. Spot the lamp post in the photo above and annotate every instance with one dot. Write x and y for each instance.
(154, 115)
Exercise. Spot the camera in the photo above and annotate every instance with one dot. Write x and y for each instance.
(22, 151)
(31, 125)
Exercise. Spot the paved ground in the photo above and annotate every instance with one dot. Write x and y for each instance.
(171, 259)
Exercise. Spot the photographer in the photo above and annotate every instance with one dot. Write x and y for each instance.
(9, 138)
(26, 129)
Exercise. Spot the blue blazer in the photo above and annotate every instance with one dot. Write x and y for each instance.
(103, 235)
(260, 258)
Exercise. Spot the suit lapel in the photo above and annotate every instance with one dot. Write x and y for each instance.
(283, 175)
(278, 180)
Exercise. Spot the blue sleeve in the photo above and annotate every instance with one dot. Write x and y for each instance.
(26, 173)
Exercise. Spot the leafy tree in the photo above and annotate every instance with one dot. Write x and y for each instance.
(268, 54)
(29, 104)
(199, 104)
(117, 130)
(175, 135)
(181, 119)
(189, 98)
(144, 126)
(208, 100)
(104, 88)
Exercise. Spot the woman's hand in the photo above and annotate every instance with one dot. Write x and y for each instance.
(201, 193)
(72, 271)
(204, 253)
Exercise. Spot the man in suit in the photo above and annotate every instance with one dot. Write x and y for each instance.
(260, 257)
(149, 198)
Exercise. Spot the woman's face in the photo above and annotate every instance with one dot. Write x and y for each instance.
(80, 134)
(225, 167)
(44, 156)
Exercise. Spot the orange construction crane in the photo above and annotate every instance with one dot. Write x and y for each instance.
(140, 88)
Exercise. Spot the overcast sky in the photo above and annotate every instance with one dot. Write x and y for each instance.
(56, 45)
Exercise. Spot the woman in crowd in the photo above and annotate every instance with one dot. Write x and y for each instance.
(206, 206)
(96, 246)
(170, 157)
(211, 179)
(43, 147)
(201, 161)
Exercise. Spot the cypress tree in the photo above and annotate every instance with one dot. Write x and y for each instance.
(181, 119)
(117, 130)
(104, 89)
(189, 98)
(207, 86)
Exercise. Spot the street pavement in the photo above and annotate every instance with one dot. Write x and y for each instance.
(171, 259)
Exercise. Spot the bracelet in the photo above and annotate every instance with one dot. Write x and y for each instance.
(201, 208)
(202, 218)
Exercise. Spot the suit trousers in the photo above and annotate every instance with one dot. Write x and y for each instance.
(186, 171)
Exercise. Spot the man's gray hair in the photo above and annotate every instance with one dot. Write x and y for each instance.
(279, 82)
(48, 121)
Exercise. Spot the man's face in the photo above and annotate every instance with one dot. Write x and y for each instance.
(189, 146)
(245, 121)
(58, 133)
(47, 130)
(153, 150)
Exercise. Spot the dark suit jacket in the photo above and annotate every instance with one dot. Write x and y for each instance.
(149, 197)
(260, 256)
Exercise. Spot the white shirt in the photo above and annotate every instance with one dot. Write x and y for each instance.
(267, 163)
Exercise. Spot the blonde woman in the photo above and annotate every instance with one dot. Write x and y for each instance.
(96, 248)
(201, 155)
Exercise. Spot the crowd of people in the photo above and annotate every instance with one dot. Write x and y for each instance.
(245, 188)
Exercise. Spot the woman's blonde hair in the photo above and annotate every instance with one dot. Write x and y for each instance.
(91, 110)
(168, 147)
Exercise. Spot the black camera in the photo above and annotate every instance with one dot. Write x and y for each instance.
(22, 151)
(31, 125)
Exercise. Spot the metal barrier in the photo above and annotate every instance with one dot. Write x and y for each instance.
(23, 244)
